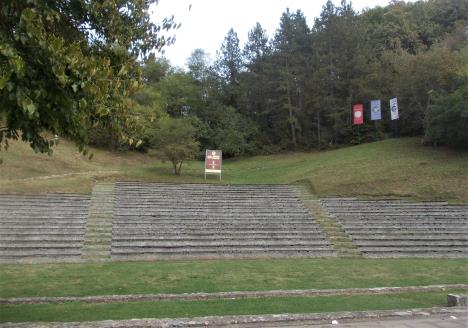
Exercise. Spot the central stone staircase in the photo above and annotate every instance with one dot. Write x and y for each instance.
(155, 220)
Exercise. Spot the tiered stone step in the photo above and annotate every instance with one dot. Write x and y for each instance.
(394, 228)
(200, 220)
(42, 227)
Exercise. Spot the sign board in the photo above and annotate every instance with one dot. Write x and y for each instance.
(213, 161)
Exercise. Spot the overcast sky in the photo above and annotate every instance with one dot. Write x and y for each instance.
(207, 22)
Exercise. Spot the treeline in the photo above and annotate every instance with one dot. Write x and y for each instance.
(296, 89)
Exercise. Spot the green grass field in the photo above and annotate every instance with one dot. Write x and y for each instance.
(390, 168)
(224, 275)
(76, 311)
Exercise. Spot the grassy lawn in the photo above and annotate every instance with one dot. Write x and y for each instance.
(76, 311)
(394, 167)
(224, 275)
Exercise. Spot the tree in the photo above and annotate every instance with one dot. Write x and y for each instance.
(257, 46)
(67, 66)
(291, 44)
(199, 65)
(253, 81)
(447, 119)
(418, 78)
(174, 139)
(228, 66)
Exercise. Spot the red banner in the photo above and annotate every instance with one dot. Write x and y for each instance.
(358, 114)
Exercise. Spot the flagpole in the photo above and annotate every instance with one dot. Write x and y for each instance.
(375, 128)
(358, 135)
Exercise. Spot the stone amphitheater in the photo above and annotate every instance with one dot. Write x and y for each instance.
(131, 221)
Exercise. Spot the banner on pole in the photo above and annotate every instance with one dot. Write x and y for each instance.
(213, 159)
(358, 114)
(394, 109)
(376, 111)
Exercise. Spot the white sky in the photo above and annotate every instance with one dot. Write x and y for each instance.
(208, 21)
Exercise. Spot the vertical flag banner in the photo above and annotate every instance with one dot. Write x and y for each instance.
(358, 114)
(394, 108)
(376, 113)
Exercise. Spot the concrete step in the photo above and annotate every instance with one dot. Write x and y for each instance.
(137, 211)
(223, 220)
(224, 244)
(26, 252)
(415, 249)
(36, 221)
(218, 231)
(40, 258)
(35, 244)
(204, 250)
(27, 233)
(387, 233)
(405, 226)
(21, 225)
(350, 210)
(414, 237)
(41, 238)
(214, 225)
(384, 230)
(424, 254)
(45, 230)
(193, 237)
(187, 215)
(425, 219)
(193, 255)
(411, 243)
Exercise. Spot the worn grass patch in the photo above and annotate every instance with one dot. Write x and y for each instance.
(76, 311)
(224, 275)
(394, 167)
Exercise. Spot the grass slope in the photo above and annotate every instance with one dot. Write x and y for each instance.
(394, 167)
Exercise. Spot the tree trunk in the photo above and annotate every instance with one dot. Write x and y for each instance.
(291, 118)
(319, 136)
(290, 110)
(179, 168)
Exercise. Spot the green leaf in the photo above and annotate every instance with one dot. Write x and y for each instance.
(82, 103)
(3, 82)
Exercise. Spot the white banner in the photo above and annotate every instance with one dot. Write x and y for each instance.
(394, 108)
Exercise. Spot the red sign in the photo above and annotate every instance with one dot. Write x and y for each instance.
(213, 160)
(358, 114)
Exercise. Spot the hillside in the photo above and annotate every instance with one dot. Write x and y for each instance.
(390, 168)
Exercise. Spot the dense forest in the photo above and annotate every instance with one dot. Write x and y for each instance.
(296, 90)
